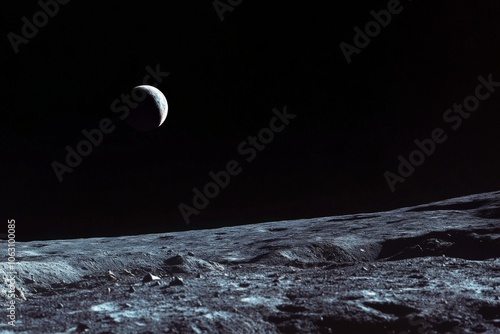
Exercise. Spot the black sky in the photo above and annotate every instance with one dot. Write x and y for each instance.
(353, 120)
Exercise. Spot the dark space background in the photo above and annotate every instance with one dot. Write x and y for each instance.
(225, 78)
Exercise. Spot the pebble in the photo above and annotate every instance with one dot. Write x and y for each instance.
(111, 276)
(128, 272)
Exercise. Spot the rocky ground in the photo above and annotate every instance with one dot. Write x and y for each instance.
(428, 269)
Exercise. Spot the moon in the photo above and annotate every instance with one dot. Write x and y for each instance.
(151, 108)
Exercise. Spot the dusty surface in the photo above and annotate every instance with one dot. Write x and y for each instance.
(428, 269)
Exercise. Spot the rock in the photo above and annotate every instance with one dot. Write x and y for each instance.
(149, 278)
(19, 293)
(82, 328)
(176, 281)
(131, 289)
(175, 260)
(29, 280)
(190, 253)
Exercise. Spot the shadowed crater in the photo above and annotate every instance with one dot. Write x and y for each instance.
(391, 308)
(476, 245)
(490, 312)
(491, 212)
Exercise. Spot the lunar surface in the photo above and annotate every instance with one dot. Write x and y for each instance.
(151, 110)
(432, 268)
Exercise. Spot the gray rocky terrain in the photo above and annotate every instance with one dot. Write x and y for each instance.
(431, 268)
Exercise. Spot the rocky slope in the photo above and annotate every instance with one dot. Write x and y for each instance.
(427, 269)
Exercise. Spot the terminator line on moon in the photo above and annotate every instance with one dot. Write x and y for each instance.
(151, 111)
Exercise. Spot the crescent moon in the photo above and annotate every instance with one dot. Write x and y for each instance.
(151, 110)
